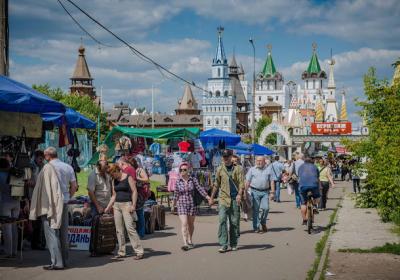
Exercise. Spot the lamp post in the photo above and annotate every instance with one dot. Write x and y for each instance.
(253, 112)
(152, 106)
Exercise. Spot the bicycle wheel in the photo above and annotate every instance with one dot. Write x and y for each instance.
(309, 217)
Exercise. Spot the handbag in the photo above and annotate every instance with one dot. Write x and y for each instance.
(294, 179)
(22, 159)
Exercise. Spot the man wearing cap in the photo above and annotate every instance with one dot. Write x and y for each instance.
(258, 180)
(229, 182)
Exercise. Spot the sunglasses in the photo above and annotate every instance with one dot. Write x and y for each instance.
(183, 170)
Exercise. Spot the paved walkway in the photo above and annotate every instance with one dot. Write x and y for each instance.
(361, 228)
(285, 252)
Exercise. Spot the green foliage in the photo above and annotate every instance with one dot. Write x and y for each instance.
(81, 104)
(382, 112)
(261, 124)
(271, 139)
(390, 248)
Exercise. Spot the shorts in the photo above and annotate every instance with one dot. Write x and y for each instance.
(305, 190)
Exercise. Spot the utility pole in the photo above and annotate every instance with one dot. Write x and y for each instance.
(253, 112)
(152, 106)
(4, 37)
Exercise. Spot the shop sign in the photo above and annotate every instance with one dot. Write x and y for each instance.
(331, 128)
(79, 237)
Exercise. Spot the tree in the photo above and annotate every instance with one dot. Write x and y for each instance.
(261, 124)
(381, 148)
(81, 104)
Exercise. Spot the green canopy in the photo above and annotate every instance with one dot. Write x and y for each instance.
(156, 133)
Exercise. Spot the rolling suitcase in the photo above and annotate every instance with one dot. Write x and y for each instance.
(150, 220)
(103, 236)
(160, 217)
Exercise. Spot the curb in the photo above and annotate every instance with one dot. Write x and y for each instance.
(325, 252)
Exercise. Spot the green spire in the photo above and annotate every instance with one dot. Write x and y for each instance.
(313, 66)
(269, 69)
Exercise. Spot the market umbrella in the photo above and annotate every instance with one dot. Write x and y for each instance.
(261, 150)
(240, 147)
(74, 119)
(214, 136)
(17, 97)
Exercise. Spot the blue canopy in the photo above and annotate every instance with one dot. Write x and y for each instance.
(255, 149)
(259, 150)
(17, 97)
(74, 119)
(212, 137)
(240, 147)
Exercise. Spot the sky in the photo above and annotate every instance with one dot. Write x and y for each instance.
(181, 35)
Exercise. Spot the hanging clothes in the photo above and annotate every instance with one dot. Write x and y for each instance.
(173, 177)
(183, 146)
(155, 148)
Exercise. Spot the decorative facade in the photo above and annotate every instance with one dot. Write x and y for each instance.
(219, 104)
(270, 84)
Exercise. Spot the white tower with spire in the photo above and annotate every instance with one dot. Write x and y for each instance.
(331, 111)
(219, 105)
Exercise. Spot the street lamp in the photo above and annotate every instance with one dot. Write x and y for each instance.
(253, 118)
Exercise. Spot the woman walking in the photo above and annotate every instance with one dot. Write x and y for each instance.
(123, 201)
(326, 181)
(183, 196)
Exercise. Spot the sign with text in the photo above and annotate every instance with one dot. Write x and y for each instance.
(331, 128)
(79, 238)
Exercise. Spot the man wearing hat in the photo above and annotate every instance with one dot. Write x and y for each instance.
(229, 181)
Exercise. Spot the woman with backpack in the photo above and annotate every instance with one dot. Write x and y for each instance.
(185, 189)
(326, 181)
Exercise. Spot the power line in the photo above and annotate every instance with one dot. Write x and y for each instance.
(134, 50)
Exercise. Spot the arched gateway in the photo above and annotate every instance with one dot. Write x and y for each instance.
(277, 128)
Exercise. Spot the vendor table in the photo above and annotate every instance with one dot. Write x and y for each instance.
(20, 224)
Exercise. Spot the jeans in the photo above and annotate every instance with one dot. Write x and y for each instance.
(124, 218)
(10, 231)
(231, 214)
(356, 185)
(57, 239)
(140, 224)
(260, 201)
(324, 194)
(278, 191)
(297, 194)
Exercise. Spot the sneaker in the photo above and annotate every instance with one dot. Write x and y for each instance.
(223, 249)
(234, 248)
(257, 230)
(190, 245)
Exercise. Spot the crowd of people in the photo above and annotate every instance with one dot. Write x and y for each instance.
(121, 189)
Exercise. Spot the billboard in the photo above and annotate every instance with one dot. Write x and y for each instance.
(331, 128)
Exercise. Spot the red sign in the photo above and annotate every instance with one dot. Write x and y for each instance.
(331, 128)
(341, 150)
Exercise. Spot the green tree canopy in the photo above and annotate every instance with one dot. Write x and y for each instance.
(81, 104)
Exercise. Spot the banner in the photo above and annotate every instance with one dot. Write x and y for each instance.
(331, 128)
(79, 238)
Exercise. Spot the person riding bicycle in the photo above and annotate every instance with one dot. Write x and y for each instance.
(308, 181)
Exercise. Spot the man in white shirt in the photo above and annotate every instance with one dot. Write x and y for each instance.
(58, 242)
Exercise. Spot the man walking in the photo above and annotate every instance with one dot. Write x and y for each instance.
(260, 184)
(229, 182)
(276, 176)
(56, 183)
(299, 160)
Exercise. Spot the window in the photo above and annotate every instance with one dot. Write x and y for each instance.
(321, 84)
(277, 98)
(206, 109)
(275, 85)
(313, 84)
(219, 109)
(259, 98)
(314, 97)
(268, 84)
(168, 120)
(306, 84)
(219, 72)
(217, 122)
(226, 93)
(210, 94)
(209, 122)
(217, 93)
(226, 122)
(194, 119)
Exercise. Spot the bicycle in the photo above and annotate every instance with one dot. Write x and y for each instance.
(310, 211)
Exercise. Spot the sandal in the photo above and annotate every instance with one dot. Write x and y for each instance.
(138, 257)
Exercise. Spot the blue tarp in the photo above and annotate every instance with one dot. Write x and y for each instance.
(261, 150)
(17, 97)
(212, 137)
(74, 119)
